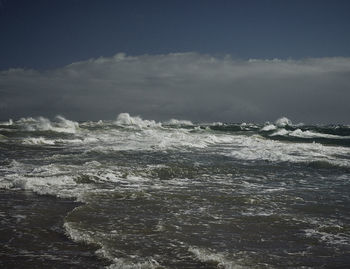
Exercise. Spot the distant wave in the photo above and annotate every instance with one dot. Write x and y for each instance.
(60, 124)
(124, 119)
(245, 141)
(7, 123)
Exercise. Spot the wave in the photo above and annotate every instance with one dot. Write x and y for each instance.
(257, 148)
(44, 141)
(43, 124)
(218, 258)
(268, 127)
(282, 122)
(117, 263)
(124, 119)
(7, 123)
(38, 141)
(250, 142)
(284, 129)
(306, 134)
(52, 179)
(176, 122)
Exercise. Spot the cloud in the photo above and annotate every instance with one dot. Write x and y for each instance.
(183, 85)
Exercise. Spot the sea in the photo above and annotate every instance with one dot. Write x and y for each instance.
(137, 193)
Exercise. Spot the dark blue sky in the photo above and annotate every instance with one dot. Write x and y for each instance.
(45, 34)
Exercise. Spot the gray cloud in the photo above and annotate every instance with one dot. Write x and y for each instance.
(185, 85)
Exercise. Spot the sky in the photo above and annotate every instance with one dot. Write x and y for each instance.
(228, 61)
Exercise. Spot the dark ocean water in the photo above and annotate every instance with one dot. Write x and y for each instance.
(133, 193)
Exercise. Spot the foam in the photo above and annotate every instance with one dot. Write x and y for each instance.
(310, 134)
(50, 179)
(86, 238)
(59, 186)
(43, 141)
(156, 139)
(257, 148)
(38, 141)
(117, 263)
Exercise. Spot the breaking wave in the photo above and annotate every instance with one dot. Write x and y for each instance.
(43, 124)
(179, 194)
(7, 123)
(124, 119)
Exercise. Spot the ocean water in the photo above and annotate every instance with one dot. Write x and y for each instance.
(134, 193)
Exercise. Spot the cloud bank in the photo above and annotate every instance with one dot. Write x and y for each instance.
(183, 85)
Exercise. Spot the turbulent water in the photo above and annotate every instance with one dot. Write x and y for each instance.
(174, 194)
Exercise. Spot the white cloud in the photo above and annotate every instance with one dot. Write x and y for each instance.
(183, 85)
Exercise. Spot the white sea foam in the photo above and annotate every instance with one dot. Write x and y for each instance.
(59, 186)
(38, 141)
(154, 139)
(310, 134)
(117, 263)
(45, 180)
(258, 148)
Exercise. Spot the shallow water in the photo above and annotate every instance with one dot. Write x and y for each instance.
(32, 233)
(181, 195)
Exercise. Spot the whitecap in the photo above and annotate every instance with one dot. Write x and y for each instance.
(268, 127)
(178, 122)
(256, 148)
(306, 134)
(282, 122)
(124, 119)
(38, 141)
(280, 132)
(205, 255)
(7, 123)
(43, 124)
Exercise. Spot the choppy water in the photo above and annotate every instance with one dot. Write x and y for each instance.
(177, 194)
